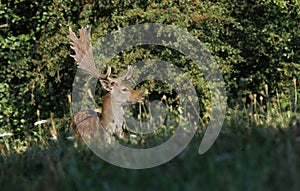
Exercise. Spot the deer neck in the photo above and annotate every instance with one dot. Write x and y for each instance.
(112, 113)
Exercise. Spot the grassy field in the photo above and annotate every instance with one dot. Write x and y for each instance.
(258, 148)
(249, 154)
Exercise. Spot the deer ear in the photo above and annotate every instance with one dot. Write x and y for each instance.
(106, 84)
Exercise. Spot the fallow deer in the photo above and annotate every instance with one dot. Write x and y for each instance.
(85, 123)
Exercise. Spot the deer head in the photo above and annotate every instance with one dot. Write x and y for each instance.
(119, 91)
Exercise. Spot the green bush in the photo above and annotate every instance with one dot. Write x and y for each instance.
(254, 42)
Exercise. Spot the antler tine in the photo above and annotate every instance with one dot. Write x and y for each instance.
(106, 76)
(128, 74)
(83, 50)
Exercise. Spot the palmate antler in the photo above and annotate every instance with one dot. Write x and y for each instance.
(84, 55)
(83, 51)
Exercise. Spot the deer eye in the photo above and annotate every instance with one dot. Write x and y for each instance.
(125, 90)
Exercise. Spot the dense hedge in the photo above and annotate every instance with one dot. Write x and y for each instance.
(254, 42)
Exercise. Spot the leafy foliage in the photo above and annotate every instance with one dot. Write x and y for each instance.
(254, 42)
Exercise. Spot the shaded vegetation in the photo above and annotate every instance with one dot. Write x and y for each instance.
(255, 43)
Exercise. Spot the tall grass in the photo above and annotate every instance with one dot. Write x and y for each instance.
(257, 149)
